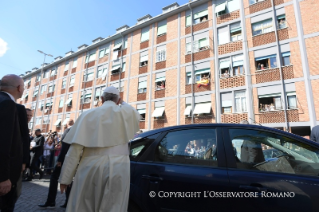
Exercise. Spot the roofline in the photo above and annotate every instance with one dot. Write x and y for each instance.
(124, 33)
(145, 16)
(168, 6)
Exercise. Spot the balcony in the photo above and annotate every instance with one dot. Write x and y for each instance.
(142, 70)
(228, 17)
(197, 27)
(278, 116)
(141, 96)
(87, 84)
(144, 45)
(201, 119)
(259, 6)
(85, 105)
(264, 38)
(53, 78)
(116, 76)
(160, 65)
(231, 82)
(160, 94)
(89, 64)
(196, 88)
(230, 47)
(161, 39)
(142, 124)
(270, 75)
(50, 94)
(201, 54)
(234, 118)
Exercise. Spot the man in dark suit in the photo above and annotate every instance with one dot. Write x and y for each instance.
(36, 153)
(315, 134)
(53, 188)
(11, 152)
(25, 116)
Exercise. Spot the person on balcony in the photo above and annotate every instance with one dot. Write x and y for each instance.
(204, 81)
(226, 74)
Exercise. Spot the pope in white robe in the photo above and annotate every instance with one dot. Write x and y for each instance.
(99, 156)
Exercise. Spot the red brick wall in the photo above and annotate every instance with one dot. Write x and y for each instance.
(228, 17)
(263, 39)
(259, 6)
(230, 47)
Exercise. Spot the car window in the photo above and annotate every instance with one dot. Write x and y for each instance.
(266, 151)
(139, 146)
(193, 146)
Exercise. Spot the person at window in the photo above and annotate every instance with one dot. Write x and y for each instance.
(226, 74)
(314, 136)
(262, 67)
(282, 24)
(272, 107)
(162, 86)
(204, 81)
(258, 66)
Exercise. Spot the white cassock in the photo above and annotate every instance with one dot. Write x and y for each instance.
(102, 179)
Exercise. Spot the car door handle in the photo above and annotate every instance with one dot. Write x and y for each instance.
(148, 177)
(252, 188)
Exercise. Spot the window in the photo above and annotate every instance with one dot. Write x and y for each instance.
(292, 100)
(286, 58)
(235, 32)
(67, 118)
(144, 58)
(53, 72)
(43, 89)
(262, 27)
(51, 88)
(38, 121)
(142, 111)
(63, 83)
(72, 80)
(142, 87)
(240, 101)
(101, 72)
(87, 96)
(145, 34)
(281, 20)
(46, 120)
(199, 45)
(41, 105)
(162, 28)
(61, 102)
(75, 63)
(66, 66)
(259, 150)
(238, 65)
(203, 108)
(36, 91)
(224, 66)
(193, 147)
(227, 102)
(33, 106)
(266, 62)
(38, 78)
(123, 67)
(254, 1)
(201, 16)
(69, 101)
(188, 110)
(270, 102)
(140, 146)
(102, 53)
(58, 121)
(160, 81)
(90, 58)
(161, 55)
(88, 75)
(116, 69)
(46, 74)
(98, 94)
(48, 105)
(202, 77)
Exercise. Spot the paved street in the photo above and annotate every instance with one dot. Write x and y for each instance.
(34, 193)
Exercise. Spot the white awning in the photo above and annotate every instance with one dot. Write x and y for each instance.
(117, 47)
(26, 95)
(68, 101)
(58, 122)
(27, 82)
(202, 108)
(116, 67)
(158, 112)
(141, 111)
(65, 121)
(220, 7)
(188, 110)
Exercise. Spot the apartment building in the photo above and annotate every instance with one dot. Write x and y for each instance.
(219, 61)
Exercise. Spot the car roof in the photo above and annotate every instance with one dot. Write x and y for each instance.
(165, 129)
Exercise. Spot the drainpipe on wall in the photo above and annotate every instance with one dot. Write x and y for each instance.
(283, 90)
(192, 63)
(121, 63)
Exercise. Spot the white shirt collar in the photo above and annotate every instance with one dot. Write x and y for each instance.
(10, 96)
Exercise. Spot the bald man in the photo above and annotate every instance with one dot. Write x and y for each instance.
(11, 147)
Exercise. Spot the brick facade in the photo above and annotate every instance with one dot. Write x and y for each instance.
(231, 82)
(228, 17)
(259, 6)
(233, 118)
(263, 39)
(230, 47)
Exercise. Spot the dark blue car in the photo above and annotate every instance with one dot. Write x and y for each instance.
(223, 167)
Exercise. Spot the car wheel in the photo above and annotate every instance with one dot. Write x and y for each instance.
(133, 207)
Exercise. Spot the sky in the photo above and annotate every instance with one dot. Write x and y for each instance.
(58, 26)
